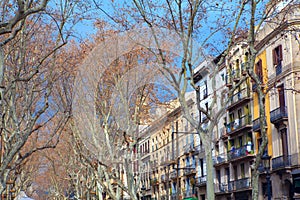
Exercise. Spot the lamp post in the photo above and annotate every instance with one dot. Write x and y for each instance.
(177, 153)
(266, 164)
(143, 189)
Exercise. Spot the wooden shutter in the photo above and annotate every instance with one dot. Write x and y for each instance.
(279, 53)
(281, 97)
(258, 70)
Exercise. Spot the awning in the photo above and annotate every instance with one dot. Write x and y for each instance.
(191, 198)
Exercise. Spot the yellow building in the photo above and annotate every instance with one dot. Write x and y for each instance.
(261, 70)
(278, 45)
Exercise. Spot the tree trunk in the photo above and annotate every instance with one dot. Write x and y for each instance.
(210, 191)
(255, 178)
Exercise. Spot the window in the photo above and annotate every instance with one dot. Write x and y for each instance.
(281, 97)
(205, 94)
(235, 172)
(217, 149)
(218, 176)
(201, 167)
(277, 55)
(243, 170)
(186, 125)
(277, 58)
(240, 113)
(231, 144)
(231, 116)
(223, 77)
(227, 172)
(258, 70)
(237, 64)
(231, 72)
(240, 141)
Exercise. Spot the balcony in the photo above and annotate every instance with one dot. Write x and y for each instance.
(174, 196)
(233, 186)
(244, 69)
(154, 164)
(189, 148)
(200, 181)
(256, 124)
(222, 133)
(238, 125)
(221, 188)
(240, 153)
(236, 74)
(189, 170)
(239, 98)
(220, 159)
(279, 69)
(199, 149)
(229, 80)
(240, 184)
(164, 178)
(282, 162)
(173, 174)
(188, 193)
(154, 182)
(279, 115)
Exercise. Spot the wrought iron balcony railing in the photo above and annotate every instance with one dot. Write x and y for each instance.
(187, 172)
(164, 178)
(189, 148)
(188, 193)
(241, 95)
(199, 149)
(240, 123)
(236, 74)
(221, 158)
(244, 69)
(256, 124)
(285, 161)
(221, 188)
(173, 174)
(243, 183)
(279, 68)
(240, 184)
(278, 114)
(240, 152)
(200, 180)
(154, 181)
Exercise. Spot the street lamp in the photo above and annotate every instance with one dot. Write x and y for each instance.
(143, 189)
(177, 160)
(266, 164)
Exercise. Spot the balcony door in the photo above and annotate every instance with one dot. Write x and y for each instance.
(283, 132)
(281, 97)
(284, 143)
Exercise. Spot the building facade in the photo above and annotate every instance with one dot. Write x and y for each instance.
(176, 154)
